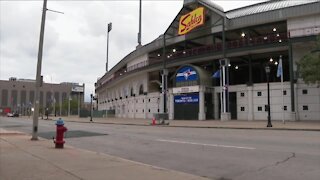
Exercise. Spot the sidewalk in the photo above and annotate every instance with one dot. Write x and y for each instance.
(22, 159)
(232, 124)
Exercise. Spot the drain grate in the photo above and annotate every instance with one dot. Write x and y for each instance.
(70, 134)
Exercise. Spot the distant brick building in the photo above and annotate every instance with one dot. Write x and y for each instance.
(19, 95)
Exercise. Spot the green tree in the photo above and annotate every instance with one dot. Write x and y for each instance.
(309, 65)
(73, 106)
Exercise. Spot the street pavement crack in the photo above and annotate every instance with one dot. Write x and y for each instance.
(293, 155)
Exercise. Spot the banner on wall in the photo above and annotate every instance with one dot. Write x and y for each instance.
(191, 20)
(187, 99)
(186, 76)
(187, 73)
(187, 89)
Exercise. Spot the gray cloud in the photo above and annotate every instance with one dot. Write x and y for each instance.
(75, 42)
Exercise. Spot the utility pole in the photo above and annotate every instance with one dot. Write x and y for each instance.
(38, 76)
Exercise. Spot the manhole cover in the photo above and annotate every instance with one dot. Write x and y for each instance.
(71, 134)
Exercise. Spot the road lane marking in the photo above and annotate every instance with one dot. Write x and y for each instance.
(212, 145)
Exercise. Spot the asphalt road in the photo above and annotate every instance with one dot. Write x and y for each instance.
(214, 153)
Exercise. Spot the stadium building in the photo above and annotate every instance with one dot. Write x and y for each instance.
(212, 64)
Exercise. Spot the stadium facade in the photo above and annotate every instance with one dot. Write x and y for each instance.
(212, 65)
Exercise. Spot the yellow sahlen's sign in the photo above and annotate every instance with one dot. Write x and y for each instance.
(191, 20)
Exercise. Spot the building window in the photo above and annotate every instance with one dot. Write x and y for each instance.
(284, 92)
(259, 93)
(143, 110)
(14, 97)
(4, 97)
(56, 97)
(31, 97)
(158, 110)
(149, 110)
(242, 109)
(149, 100)
(304, 91)
(23, 98)
(284, 108)
(242, 94)
(259, 108)
(305, 108)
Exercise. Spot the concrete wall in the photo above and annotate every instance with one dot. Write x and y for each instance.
(251, 101)
(304, 26)
(308, 101)
(141, 106)
(137, 61)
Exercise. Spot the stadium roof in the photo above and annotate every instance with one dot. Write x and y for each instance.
(266, 6)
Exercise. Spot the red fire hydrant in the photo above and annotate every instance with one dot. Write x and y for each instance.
(59, 141)
(154, 121)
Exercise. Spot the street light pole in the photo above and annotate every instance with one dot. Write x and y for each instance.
(164, 80)
(54, 106)
(79, 104)
(91, 96)
(139, 34)
(267, 68)
(38, 76)
(69, 105)
(109, 29)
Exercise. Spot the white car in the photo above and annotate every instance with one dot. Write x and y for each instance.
(12, 115)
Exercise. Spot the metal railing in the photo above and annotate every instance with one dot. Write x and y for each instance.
(235, 44)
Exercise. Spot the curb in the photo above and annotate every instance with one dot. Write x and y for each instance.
(203, 127)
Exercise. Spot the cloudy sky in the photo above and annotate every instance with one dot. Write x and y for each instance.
(75, 42)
